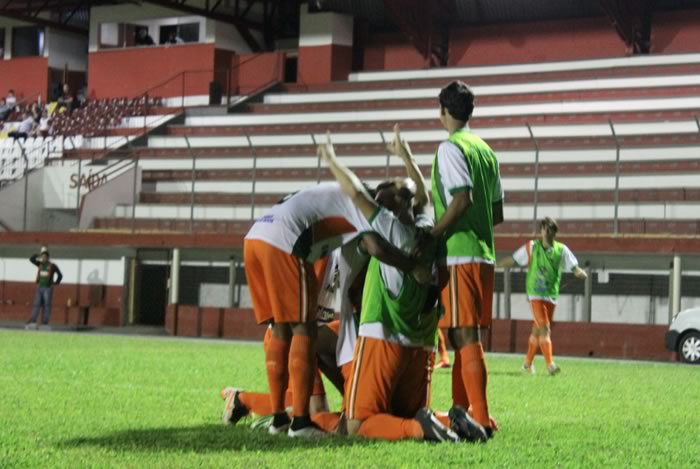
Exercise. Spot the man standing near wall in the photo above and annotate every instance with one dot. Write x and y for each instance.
(48, 276)
(545, 259)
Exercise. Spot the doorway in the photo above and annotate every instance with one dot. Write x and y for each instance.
(152, 294)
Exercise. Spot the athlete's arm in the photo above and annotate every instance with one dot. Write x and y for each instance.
(461, 201)
(401, 149)
(506, 262)
(349, 182)
(580, 273)
(388, 254)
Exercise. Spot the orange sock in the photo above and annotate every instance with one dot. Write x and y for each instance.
(442, 348)
(475, 378)
(546, 346)
(388, 427)
(302, 363)
(459, 389)
(276, 361)
(532, 346)
(327, 421)
(256, 402)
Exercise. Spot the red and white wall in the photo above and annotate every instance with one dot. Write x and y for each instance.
(325, 47)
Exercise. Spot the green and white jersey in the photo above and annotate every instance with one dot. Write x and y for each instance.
(393, 302)
(545, 266)
(465, 162)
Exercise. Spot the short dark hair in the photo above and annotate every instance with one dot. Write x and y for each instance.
(550, 224)
(457, 98)
(45, 252)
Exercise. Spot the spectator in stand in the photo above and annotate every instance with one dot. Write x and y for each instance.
(44, 124)
(173, 38)
(143, 38)
(48, 276)
(5, 109)
(36, 111)
(25, 128)
(67, 101)
(11, 98)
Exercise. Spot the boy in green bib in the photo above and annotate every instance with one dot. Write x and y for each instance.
(545, 260)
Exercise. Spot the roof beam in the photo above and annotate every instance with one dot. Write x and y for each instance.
(43, 22)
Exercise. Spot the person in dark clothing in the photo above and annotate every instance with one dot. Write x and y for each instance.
(48, 276)
(143, 38)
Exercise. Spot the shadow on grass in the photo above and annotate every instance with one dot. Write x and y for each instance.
(205, 438)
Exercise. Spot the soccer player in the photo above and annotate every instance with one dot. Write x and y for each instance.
(468, 202)
(278, 252)
(545, 260)
(389, 390)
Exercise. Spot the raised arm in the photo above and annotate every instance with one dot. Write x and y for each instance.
(349, 182)
(401, 149)
(508, 262)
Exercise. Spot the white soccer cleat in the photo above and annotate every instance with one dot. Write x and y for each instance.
(553, 369)
(529, 369)
(311, 431)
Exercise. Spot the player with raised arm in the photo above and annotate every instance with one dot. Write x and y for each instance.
(545, 260)
(389, 390)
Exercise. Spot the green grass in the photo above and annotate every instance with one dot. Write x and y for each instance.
(71, 400)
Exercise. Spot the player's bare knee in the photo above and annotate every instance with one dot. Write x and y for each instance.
(353, 426)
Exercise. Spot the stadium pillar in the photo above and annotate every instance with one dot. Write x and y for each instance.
(587, 296)
(175, 277)
(676, 288)
(325, 47)
(507, 290)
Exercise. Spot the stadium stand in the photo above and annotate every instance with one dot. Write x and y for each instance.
(646, 106)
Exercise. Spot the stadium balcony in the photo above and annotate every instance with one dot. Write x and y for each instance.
(580, 149)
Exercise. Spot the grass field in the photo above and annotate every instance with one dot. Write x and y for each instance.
(70, 400)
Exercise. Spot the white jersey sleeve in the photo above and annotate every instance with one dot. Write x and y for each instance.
(520, 256)
(568, 260)
(454, 173)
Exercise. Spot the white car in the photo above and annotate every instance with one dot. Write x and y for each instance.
(684, 336)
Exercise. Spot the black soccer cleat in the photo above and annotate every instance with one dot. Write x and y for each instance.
(466, 427)
(433, 429)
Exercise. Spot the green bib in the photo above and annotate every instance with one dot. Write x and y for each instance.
(45, 281)
(472, 234)
(401, 315)
(543, 273)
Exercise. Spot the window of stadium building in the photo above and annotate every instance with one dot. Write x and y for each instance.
(27, 41)
(2, 43)
(179, 33)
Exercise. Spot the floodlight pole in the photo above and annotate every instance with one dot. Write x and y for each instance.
(254, 177)
(537, 176)
(318, 159)
(616, 220)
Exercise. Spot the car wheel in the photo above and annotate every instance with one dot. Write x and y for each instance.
(689, 348)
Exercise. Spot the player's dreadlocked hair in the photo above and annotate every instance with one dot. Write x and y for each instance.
(458, 100)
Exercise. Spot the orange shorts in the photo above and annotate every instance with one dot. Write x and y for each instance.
(468, 296)
(387, 378)
(283, 287)
(543, 312)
